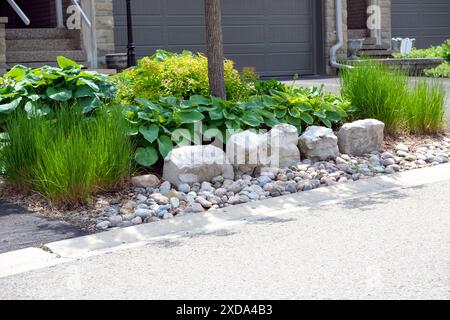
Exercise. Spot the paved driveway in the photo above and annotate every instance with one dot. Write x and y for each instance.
(20, 228)
(332, 84)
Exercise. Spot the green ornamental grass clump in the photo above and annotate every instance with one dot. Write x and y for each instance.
(69, 157)
(387, 95)
(424, 112)
(181, 75)
(376, 92)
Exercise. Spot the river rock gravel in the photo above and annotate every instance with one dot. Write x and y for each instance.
(167, 201)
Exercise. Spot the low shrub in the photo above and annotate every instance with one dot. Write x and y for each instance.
(376, 92)
(442, 51)
(43, 90)
(157, 125)
(380, 93)
(425, 111)
(69, 157)
(441, 71)
(178, 75)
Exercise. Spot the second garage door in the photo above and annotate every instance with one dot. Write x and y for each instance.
(426, 20)
(274, 37)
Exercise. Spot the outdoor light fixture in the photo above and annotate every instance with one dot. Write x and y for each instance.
(131, 61)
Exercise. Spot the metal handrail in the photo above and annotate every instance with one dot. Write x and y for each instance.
(83, 14)
(19, 12)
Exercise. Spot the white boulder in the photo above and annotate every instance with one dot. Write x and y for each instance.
(283, 147)
(319, 143)
(360, 137)
(191, 164)
(246, 151)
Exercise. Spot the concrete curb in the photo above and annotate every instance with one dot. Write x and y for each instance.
(77, 248)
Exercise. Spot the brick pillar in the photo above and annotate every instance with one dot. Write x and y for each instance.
(3, 22)
(104, 29)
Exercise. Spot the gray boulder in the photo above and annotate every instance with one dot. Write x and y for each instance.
(360, 137)
(283, 147)
(319, 143)
(145, 181)
(195, 164)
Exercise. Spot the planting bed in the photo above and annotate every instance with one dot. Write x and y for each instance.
(137, 205)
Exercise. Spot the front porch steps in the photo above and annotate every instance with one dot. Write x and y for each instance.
(41, 46)
(370, 49)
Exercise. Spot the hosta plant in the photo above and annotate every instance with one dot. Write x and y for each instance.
(158, 125)
(42, 90)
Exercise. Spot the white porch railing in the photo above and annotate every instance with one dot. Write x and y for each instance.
(19, 12)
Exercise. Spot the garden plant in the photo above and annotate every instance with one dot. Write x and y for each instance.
(442, 51)
(386, 95)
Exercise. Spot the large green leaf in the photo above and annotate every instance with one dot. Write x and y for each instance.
(83, 91)
(59, 94)
(90, 83)
(11, 106)
(146, 156)
(17, 73)
(271, 122)
(252, 119)
(229, 115)
(37, 109)
(165, 145)
(148, 104)
(216, 113)
(150, 133)
(189, 116)
(333, 116)
(64, 62)
(199, 101)
(327, 122)
(294, 112)
(89, 104)
(280, 113)
(306, 118)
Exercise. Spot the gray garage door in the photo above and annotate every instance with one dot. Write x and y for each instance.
(426, 20)
(275, 37)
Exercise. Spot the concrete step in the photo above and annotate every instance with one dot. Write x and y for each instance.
(375, 47)
(42, 33)
(358, 33)
(43, 45)
(14, 57)
(370, 41)
(376, 53)
(34, 65)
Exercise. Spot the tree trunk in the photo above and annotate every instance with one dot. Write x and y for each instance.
(214, 47)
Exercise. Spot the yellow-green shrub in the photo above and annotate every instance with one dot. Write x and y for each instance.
(178, 75)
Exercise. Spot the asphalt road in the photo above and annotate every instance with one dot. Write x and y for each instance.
(387, 246)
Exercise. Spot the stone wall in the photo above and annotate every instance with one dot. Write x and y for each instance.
(104, 27)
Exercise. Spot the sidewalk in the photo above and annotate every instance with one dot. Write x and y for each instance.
(385, 238)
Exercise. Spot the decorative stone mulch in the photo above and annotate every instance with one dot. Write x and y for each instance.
(138, 205)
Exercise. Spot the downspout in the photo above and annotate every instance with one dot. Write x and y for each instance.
(340, 38)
